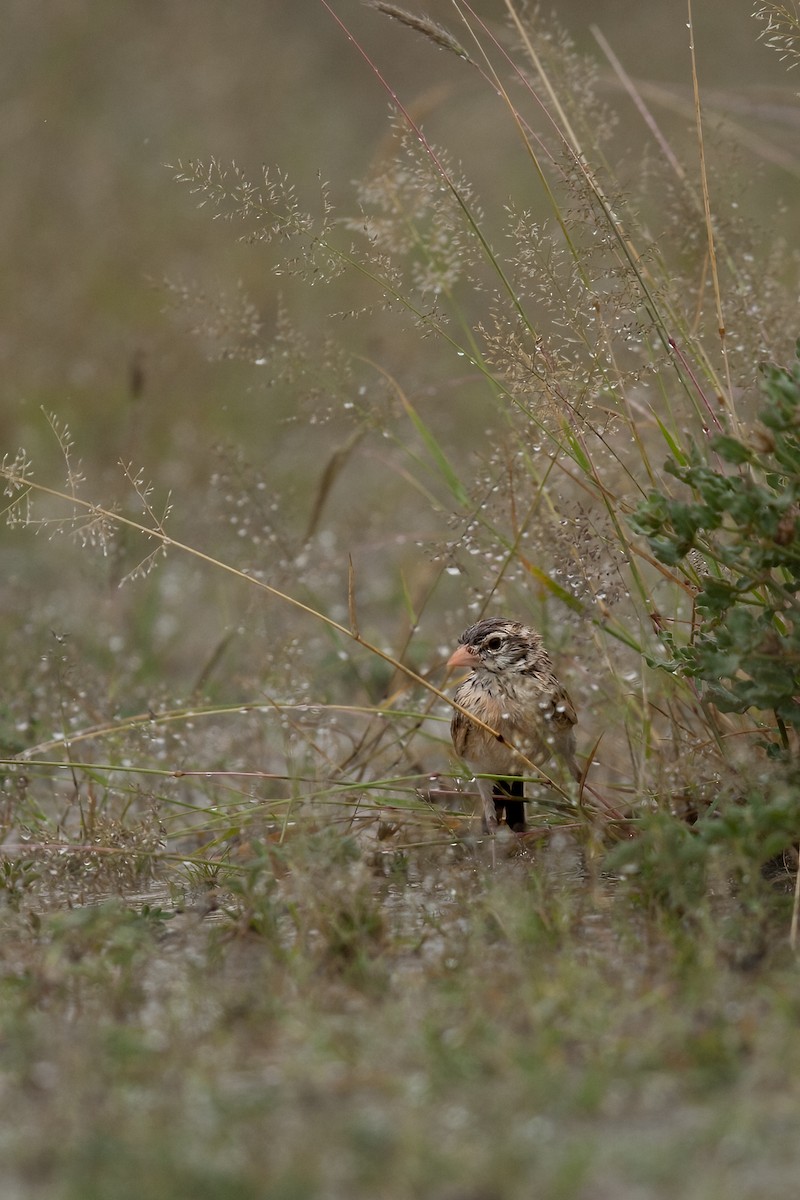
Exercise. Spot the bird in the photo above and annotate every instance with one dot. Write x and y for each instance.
(513, 689)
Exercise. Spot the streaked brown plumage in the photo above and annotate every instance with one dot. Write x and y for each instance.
(513, 689)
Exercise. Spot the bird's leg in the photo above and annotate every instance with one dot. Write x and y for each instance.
(486, 789)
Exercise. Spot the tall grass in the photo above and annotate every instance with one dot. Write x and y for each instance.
(599, 351)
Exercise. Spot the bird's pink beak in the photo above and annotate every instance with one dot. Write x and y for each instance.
(463, 657)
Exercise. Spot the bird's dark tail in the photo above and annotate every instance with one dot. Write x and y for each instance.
(509, 798)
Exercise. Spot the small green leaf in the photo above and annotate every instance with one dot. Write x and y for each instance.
(731, 449)
(454, 484)
(677, 452)
(578, 453)
(548, 582)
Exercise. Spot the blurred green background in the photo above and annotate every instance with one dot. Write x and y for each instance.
(137, 319)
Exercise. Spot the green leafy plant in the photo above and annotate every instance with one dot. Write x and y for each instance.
(733, 534)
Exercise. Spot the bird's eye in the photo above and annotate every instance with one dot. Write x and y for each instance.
(493, 643)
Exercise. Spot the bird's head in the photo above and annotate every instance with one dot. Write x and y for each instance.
(496, 646)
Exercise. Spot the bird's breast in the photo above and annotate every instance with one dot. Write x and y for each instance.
(518, 718)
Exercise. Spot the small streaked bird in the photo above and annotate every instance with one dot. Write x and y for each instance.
(512, 689)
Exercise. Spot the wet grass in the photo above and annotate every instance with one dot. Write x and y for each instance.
(253, 943)
(450, 1030)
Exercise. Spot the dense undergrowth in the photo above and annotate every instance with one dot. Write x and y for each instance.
(595, 429)
(610, 391)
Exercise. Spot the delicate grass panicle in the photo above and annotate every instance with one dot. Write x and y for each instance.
(781, 30)
(569, 399)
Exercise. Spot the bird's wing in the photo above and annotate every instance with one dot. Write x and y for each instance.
(460, 728)
(468, 738)
(562, 712)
